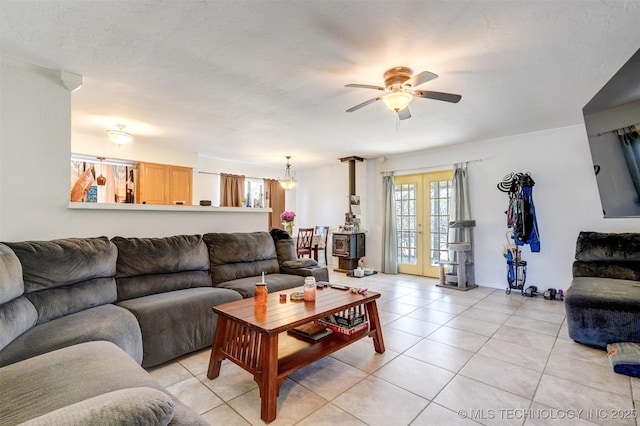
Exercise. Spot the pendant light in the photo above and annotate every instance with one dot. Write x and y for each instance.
(288, 181)
(101, 180)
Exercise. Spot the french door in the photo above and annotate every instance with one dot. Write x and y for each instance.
(422, 221)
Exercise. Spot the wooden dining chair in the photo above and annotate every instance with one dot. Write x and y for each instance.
(304, 244)
(323, 233)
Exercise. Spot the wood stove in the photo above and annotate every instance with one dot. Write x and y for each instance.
(348, 247)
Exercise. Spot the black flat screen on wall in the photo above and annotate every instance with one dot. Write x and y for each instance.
(612, 121)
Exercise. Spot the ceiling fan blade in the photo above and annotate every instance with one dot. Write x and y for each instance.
(364, 86)
(404, 113)
(420, 78)
(363, 104)
(447, 97)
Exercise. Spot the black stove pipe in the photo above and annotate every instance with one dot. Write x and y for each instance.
(352, 172)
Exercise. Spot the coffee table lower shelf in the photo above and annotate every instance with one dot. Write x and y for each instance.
(272, 356)
(294, 353)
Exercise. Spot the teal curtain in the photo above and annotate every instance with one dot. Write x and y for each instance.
(459, 208)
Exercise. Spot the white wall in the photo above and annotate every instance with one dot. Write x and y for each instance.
(34, 139)
(139, 150)
(565, 197)
(34, 173)
(323, 199)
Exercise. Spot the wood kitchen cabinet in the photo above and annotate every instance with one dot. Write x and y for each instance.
(164, 184)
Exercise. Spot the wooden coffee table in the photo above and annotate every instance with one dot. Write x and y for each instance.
(255, 337)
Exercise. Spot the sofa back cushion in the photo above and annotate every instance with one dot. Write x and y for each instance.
(68, 275)
(17, 314)
(241, 255)
(148, 266)
(608, 255)
(11, 284)
(600, 246)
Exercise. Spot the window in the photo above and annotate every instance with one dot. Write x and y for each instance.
(254, 188)
(422, 221)
(405, 197)
(440, 195)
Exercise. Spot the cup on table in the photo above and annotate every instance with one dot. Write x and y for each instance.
(309, 289)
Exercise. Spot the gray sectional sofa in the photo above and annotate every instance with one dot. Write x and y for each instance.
(603, 301)
(72, 310)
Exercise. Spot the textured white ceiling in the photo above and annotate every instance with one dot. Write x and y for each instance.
(257, 80)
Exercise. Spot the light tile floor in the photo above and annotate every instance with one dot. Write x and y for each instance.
(452, 357)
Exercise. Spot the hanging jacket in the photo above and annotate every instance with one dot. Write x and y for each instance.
(526, 225)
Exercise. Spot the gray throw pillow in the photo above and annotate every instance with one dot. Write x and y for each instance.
(300, 263)
(286, 250)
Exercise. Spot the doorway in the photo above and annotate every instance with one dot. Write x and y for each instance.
(422, 221)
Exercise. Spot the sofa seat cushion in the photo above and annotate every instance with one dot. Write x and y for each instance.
(603, 310)
(106, 322)
(177, 322)
(604, 293)
(124, 407)
(58, 379)
(275, 283)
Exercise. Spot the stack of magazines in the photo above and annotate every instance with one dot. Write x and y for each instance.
(343, 329)
(347, 322)
(310, 331)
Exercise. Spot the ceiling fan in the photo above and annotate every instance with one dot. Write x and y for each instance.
(400, 89)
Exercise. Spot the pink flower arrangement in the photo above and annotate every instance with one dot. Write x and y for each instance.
(287, 216)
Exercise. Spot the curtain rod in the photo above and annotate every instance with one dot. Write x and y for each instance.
(218, 174)
(106, 161)
(435, 166)
(616, 130)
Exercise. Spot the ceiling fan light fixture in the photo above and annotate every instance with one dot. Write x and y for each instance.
(397, 100)
(119, 136)
(287, 182)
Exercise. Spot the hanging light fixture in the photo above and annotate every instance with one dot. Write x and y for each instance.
(397, 100)
(119, 136)
(101, 180)
(288, 181)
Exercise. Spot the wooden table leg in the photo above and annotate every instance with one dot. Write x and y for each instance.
(216, 348)
(374, 324)
(269, 380)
